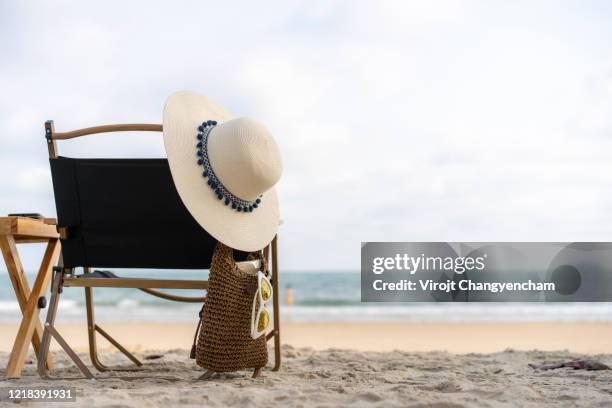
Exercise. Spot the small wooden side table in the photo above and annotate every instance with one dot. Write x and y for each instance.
(18, 230)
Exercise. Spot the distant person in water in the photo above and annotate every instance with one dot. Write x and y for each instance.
(288, 295)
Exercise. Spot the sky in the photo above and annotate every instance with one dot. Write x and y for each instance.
(397, 121)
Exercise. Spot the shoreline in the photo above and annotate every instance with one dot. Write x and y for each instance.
(458, 338)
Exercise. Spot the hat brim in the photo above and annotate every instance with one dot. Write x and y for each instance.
(183, 113)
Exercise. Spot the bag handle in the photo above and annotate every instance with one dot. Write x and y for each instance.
(258, 255)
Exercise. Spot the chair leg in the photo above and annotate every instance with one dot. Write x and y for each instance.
(276, 305)
(75, 358)
(50, 331)
(92, 328)
(45, 342)
(91, 333)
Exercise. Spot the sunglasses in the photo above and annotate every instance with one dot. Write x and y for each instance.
(260, 314)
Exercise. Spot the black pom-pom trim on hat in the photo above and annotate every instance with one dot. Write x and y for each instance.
(237, 204)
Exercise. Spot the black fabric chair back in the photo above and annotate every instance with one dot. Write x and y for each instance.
(126, 213)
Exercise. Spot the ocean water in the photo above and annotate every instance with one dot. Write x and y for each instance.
(317, 297)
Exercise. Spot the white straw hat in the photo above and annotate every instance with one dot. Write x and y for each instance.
(224, 169)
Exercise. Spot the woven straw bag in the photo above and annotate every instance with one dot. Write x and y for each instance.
(224, 342)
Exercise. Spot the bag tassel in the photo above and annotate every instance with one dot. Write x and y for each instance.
(192, 354)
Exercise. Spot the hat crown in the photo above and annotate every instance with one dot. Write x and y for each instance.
(245, 157)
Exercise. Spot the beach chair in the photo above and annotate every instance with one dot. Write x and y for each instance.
(124, 213)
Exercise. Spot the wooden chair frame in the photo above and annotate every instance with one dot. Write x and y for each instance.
(64, 277)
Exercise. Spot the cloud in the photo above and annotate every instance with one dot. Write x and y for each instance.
(34, 179)
(397, 120)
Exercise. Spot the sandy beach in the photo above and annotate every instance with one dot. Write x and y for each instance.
(379, 365)
(334, 377)
(588, 338)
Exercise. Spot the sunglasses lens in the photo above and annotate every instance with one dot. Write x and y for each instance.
(266, 290)
(264, 320)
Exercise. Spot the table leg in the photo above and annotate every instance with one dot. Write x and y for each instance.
(30, 310)
(18, 278)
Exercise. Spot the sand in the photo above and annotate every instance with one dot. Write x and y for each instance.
(320, 376)
(588, 338)
(316, 378)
